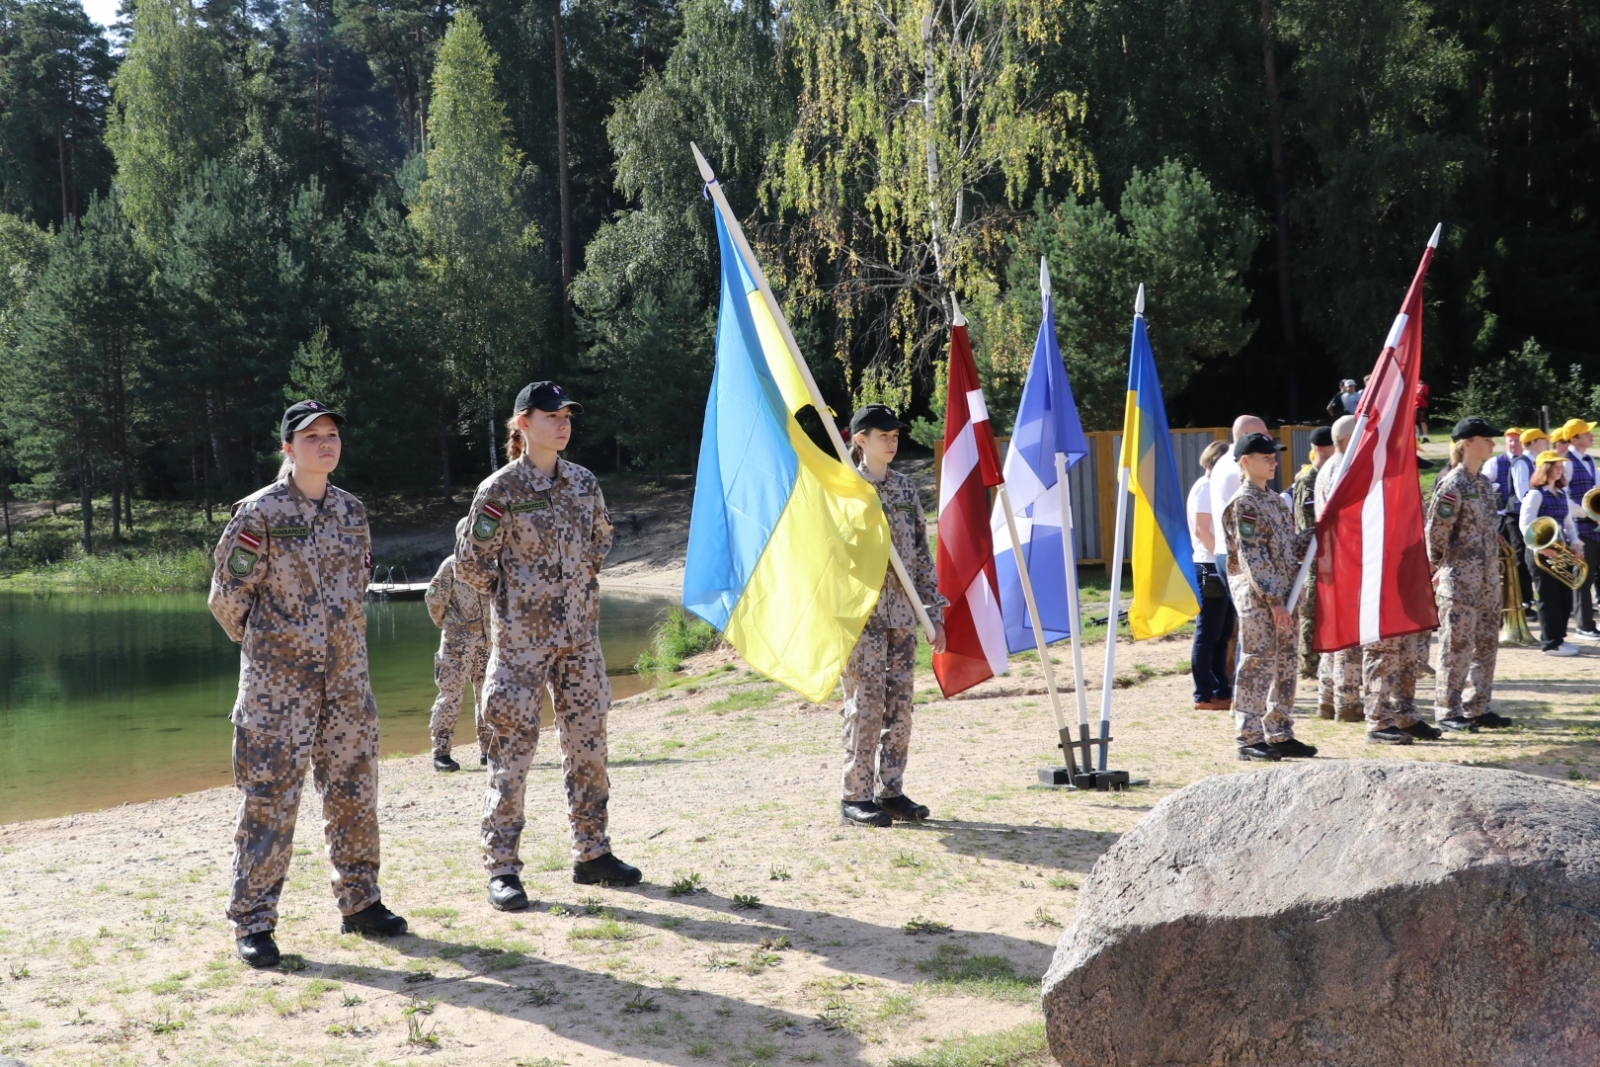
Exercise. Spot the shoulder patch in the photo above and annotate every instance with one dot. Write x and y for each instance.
(1248, 524)
(528, 505)
(289, 531)
(249, 540)
(241, 562)
(909, 509)
(488, 521)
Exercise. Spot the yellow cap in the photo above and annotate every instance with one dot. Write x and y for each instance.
(1573, 427)
(1558, 434)
(1510, 430)
(1549, 457)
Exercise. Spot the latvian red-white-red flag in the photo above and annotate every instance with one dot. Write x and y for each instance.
(1373, 578)
(975, 631)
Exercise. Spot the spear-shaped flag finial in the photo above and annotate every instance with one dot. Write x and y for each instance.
(1138, 301)
(1433, 242)
(1044, 278)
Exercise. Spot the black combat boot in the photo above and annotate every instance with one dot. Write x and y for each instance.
(1389, 735)
(1459, 724)
(1293, 749)
(1490, 721)
(864, 813)
(374, 919)
(1260, 751)
(903, 808)
(506, 893)
(258, 950)
(443, 762)
(1423, 732)
(605, 870)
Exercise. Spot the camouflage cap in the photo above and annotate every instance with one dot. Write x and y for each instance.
(303, 414)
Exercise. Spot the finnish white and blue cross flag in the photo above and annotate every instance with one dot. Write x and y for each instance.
(1047, 424)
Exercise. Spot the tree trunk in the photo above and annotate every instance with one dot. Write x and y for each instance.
(116, 508)
(5, 503)
(61, 159)
(930, 87)
(444, 449)
(85, 504)
(127, 492)
(205, 480)
(1280, 197)
(488, 386)
(565, 183)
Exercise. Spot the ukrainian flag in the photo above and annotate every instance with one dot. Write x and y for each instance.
(1166, 593)
(788, 546)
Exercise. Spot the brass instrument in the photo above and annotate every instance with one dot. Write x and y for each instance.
(1513, 620)
(1591, 503)
(1565, 566)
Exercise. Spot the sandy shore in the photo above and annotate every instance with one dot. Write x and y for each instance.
(792, 946)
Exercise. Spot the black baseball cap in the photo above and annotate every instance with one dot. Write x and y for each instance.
(1322, 437)
(876, 417)
(303, 414)
(546, 396)
(1256, 444)
(1473, 427)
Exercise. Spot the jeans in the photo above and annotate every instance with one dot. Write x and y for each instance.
(1208, 656)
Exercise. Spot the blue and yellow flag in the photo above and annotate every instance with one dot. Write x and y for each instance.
(1165, 592)
(788, 547)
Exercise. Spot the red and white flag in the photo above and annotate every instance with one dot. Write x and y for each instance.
(1373, 578)
(975, 632)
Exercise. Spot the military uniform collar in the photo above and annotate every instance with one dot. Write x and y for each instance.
(539, 479)
(304, 502)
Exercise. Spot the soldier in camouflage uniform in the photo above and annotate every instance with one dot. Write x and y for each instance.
(1464, 550)
(1263, 558)
(539, 532)
(1303, 492)
(1389, 690)
(1338, 673)
(291, 572)
(877, 679)
(462, 660)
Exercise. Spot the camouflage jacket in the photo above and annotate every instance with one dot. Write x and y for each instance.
(1463, 535)
(909, 531)
(290, 575)
(457, 608)
(534, 546)
(1304, 492)
(1263, 546)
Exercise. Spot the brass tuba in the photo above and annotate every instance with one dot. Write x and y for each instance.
(1565, 567)
(1591, 504)
(1513, 620)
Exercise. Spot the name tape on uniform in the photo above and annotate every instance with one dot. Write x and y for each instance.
(529, 505)
(289, 531)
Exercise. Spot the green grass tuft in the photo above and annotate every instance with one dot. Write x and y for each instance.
(674, 639)
(1022, 1046)
(954, 972)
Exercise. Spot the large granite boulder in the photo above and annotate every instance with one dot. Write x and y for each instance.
(1341, 914)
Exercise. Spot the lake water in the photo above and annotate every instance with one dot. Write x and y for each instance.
(107, 698)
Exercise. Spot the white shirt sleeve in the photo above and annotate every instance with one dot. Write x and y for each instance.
(1530, 508)
(1198, 505)
(1224, 484)
(1519, 480)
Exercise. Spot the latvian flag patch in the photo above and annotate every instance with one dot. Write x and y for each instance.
(494, 511)
(249, 540)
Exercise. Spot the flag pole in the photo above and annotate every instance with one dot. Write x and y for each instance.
(1070, 552)
(1115, 574)
(737, 233)
(1069, 558)
(1038, 630)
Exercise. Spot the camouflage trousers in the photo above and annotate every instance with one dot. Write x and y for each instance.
(341, 748)
(877, 712)
(1339, 679)
(1469, 636)
(581, 695)
(456, 666)
(1310, 664)
(1389, 680)
(1264, 681)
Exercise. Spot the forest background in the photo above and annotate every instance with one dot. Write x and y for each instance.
(408, 209)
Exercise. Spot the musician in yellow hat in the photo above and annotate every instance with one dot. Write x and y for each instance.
(1581, 478)
(1553, 537)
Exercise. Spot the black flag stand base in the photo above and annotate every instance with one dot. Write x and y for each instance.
(1070, 777)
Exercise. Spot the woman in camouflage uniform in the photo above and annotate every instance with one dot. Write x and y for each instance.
(460, 611)
(291, 572)
(877, 679)
(1263, 555)
(539, 532)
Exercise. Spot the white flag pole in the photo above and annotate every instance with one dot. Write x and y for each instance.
(1068, 551)
(1070, 554)
(1033, 614)
(737, 233)
(1311, 550)
(1115, 575)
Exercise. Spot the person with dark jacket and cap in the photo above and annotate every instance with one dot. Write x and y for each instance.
(877, 678)
(1304, 494)
(291, 574)
(1264, 553)
(537, 533)
(1464, 552)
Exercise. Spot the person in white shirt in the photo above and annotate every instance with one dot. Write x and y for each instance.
(1208, 654)
(1510, 471)
(1225, 481)
(1581, 478)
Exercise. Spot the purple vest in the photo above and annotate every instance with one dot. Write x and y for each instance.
(1553, 506)
(1582, 481)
